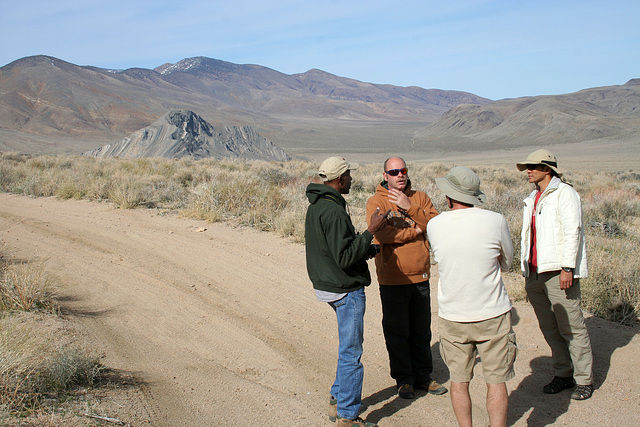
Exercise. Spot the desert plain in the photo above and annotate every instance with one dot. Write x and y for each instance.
(218, 325)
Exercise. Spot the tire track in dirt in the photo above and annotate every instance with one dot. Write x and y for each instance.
(159, 294)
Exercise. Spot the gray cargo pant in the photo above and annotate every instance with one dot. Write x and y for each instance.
(562, 324)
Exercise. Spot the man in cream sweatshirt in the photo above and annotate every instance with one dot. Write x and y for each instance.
(472, 246)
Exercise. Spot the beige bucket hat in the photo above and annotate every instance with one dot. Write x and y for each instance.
(462, 184)
(333, 167)
(540, 157)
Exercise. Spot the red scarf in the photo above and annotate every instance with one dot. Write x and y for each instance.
(533, 259)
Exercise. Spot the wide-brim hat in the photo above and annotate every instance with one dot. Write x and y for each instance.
(333, 167)
(462, 184)
(540, 157)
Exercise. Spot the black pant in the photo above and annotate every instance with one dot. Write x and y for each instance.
(406, 322)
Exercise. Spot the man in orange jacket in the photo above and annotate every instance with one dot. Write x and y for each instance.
(402, 266)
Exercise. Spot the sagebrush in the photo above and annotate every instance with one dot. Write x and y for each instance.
(40, 358)
(271, 196)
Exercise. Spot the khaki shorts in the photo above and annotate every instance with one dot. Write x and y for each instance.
(493, 339)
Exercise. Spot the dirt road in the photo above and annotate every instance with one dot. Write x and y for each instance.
(222, 326)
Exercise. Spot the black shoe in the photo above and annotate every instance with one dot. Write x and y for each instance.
(558, 384)
(405, 391)
(582, 392)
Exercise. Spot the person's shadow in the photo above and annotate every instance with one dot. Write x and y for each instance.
(548, 408)
(440, 373)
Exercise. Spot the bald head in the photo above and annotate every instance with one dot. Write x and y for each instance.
(394, 159)
(395, 173)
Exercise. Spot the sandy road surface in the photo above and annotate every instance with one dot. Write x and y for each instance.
(222, 326)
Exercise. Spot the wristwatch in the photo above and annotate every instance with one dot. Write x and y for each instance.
(567, 269)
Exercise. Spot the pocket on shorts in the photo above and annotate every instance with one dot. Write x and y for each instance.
(512, 349)
(443, 353)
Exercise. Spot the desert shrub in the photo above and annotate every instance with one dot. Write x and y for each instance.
(26, 287)
(126, 192)
(289, 222)
(610, 213)
(273, 173)
(71, 190)
(40, 359)
(39, 353)
(68, 367)
(241, 201)
(162, 192)
(612, 290)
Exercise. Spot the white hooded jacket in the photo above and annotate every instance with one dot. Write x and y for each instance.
(560, 231)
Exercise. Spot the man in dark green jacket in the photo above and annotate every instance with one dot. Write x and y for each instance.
(337, 266)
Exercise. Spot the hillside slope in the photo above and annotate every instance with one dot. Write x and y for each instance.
(599, 113)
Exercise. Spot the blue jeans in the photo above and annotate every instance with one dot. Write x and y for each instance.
(347, 388)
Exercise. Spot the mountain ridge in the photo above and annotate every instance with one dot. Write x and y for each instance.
(589, 114)
(81, 107)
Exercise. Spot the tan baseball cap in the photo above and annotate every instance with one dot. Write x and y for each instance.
(333, 167)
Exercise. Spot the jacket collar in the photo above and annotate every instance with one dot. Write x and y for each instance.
(553, 186)
(316, 192)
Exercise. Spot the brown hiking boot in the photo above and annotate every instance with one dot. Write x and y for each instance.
(433, 387)
(405, 391)
(357, 422)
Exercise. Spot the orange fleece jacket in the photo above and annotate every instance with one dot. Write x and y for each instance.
(404, 254)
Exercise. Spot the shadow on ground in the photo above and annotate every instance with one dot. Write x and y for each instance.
(395, 403)
(545, 408)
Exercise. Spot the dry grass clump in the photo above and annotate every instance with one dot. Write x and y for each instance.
(612, 290)
(26, 287)
(612, 219)
(40, 359)
(271, 196)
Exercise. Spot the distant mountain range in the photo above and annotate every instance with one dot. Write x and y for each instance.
(48, 105)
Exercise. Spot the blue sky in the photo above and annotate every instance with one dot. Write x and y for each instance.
(496, 49)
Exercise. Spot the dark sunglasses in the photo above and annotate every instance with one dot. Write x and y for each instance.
(396, 172)
(534, 167)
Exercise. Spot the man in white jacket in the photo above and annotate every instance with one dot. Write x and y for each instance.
(472, 246)
(553, 260)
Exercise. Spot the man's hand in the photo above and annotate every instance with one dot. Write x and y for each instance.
(378, 221)
(399, 198)
(566, 279)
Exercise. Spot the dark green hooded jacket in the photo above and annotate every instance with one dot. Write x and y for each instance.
(336, 255)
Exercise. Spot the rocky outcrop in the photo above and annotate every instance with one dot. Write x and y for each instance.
(182, 133)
